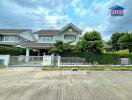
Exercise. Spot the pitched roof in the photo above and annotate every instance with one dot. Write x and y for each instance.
(117, 7)
(56, 32)
(48, 32)
(71, 25)
(12, 31)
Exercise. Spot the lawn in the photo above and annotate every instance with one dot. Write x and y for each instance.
(91, 68)
(2, 66)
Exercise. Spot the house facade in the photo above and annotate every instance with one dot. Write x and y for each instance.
(14, 37)
(41, 40)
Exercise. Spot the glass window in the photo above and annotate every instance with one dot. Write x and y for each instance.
(1, 38)
(58, 38)
(10, 38)
(46, 38)
(70, 37)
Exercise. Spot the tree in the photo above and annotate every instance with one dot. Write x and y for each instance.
(125, 42)
(61, 48)
(91, 42)
(121, 41)
(114, 40)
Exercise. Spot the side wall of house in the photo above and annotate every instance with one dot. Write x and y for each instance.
(27, 35)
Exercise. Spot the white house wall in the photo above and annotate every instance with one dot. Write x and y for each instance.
(5, 58)
(27, 35)
(36, 36)
(39, 40)
(72, 33)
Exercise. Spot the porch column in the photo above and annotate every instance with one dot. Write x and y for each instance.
(27, 55)
(38, 52)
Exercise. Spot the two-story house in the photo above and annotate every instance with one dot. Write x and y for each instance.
(45, 38)
(41, 40)
(13, 37)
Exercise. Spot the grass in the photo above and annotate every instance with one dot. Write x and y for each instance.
(91, 68)
(2, 66)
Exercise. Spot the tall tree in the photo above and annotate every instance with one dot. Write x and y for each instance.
(121, 41)
(91, 42)
(61, 48)
(114, 40)
(125, 42)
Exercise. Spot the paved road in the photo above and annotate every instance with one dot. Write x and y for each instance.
(64, 85)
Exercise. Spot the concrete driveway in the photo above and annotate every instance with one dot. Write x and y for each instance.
(64, 85)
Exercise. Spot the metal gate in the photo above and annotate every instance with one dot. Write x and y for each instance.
(21, 61)
(55, 60)
(74, 61)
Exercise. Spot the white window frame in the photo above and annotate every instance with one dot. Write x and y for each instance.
(7, 38)
(69, 40)
(58, 38)
(46, 38)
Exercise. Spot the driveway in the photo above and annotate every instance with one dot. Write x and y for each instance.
(64, 85)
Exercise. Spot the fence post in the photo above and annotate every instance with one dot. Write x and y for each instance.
(59, 59)
(27, 55)
(52, 59)
(8, 60)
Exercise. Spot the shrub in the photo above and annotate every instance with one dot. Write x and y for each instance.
(123, 53)
(91, 42)
(106, 58)
(11, 50)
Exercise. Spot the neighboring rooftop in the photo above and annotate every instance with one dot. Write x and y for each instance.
(12, 31)
(47, 32)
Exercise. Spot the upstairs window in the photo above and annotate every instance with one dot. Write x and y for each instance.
(1, 38)
(10, 38)
(58, 38)
(70, 38)
(46, 38)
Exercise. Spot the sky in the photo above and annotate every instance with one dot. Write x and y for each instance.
(55, 14)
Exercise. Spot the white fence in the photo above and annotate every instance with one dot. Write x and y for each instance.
(79, 61)
(51, 60)
(75, 61)
(17, 60)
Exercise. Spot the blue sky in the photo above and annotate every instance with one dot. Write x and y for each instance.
(54, 14)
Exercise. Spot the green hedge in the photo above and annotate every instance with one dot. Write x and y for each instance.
(11, 50)
(105, 58)
(130, 56)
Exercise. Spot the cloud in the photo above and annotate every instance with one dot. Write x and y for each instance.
(34, 14)
(87, 29)
(57, 19)
(118, 24)
(38, 14)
